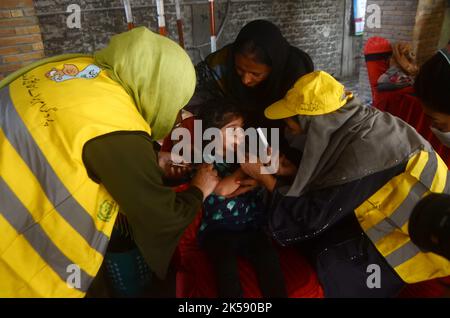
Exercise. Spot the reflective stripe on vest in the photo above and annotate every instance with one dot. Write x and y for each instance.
(18, 216)
(384, 217)
(20, 219)
(55, 221)
(19, 137)
(401, 215)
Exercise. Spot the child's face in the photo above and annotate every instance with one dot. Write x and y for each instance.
(234, 140)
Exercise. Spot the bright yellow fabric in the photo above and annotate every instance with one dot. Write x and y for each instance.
(381, 206)
(316, 93)
(61, 116)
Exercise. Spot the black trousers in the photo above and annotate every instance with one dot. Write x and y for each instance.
(343, 258)
(223, 247)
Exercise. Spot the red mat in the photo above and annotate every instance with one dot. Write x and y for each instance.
(195, 275)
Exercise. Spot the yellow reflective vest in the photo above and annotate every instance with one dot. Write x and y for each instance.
(55, 222)
(384, 218)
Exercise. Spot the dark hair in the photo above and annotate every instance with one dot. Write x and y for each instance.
(429, 224)
(432, 83)
(218, 112)
(258, 53)
(266, 45)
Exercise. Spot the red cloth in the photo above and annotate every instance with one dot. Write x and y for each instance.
(196, 278)
(378, 48)
(409, 108)
(403, 104)
(376, 45)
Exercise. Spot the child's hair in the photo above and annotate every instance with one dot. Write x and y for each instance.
(218, 112)
(432, 82)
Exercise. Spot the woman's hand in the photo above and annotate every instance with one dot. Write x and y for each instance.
(259, 172)
(253, 170)
(245, 186)
(205, 179)
(262, 174)
(173, 170)
(229, 184)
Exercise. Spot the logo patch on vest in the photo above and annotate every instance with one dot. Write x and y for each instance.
(71, 71)
(106, 209)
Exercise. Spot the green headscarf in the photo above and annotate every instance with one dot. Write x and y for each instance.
(155, 71)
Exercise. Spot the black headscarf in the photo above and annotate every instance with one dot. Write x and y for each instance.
(288, 63)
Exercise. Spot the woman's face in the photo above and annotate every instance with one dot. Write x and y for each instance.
(250, 72)
(438, 120)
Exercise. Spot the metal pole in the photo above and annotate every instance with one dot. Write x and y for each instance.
(128, 14)
(212, 20)
(161, 18)
(179, 23)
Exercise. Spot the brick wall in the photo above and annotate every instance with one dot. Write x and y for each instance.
(398, 18)
(20, 36)
(427, 32)
(417, 21)
(314, 25)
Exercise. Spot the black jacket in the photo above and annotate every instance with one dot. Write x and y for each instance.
(323, 223)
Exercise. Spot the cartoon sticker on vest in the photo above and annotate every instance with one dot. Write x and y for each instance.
(71, 71)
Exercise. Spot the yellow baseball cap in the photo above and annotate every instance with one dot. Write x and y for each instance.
(313, 94)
